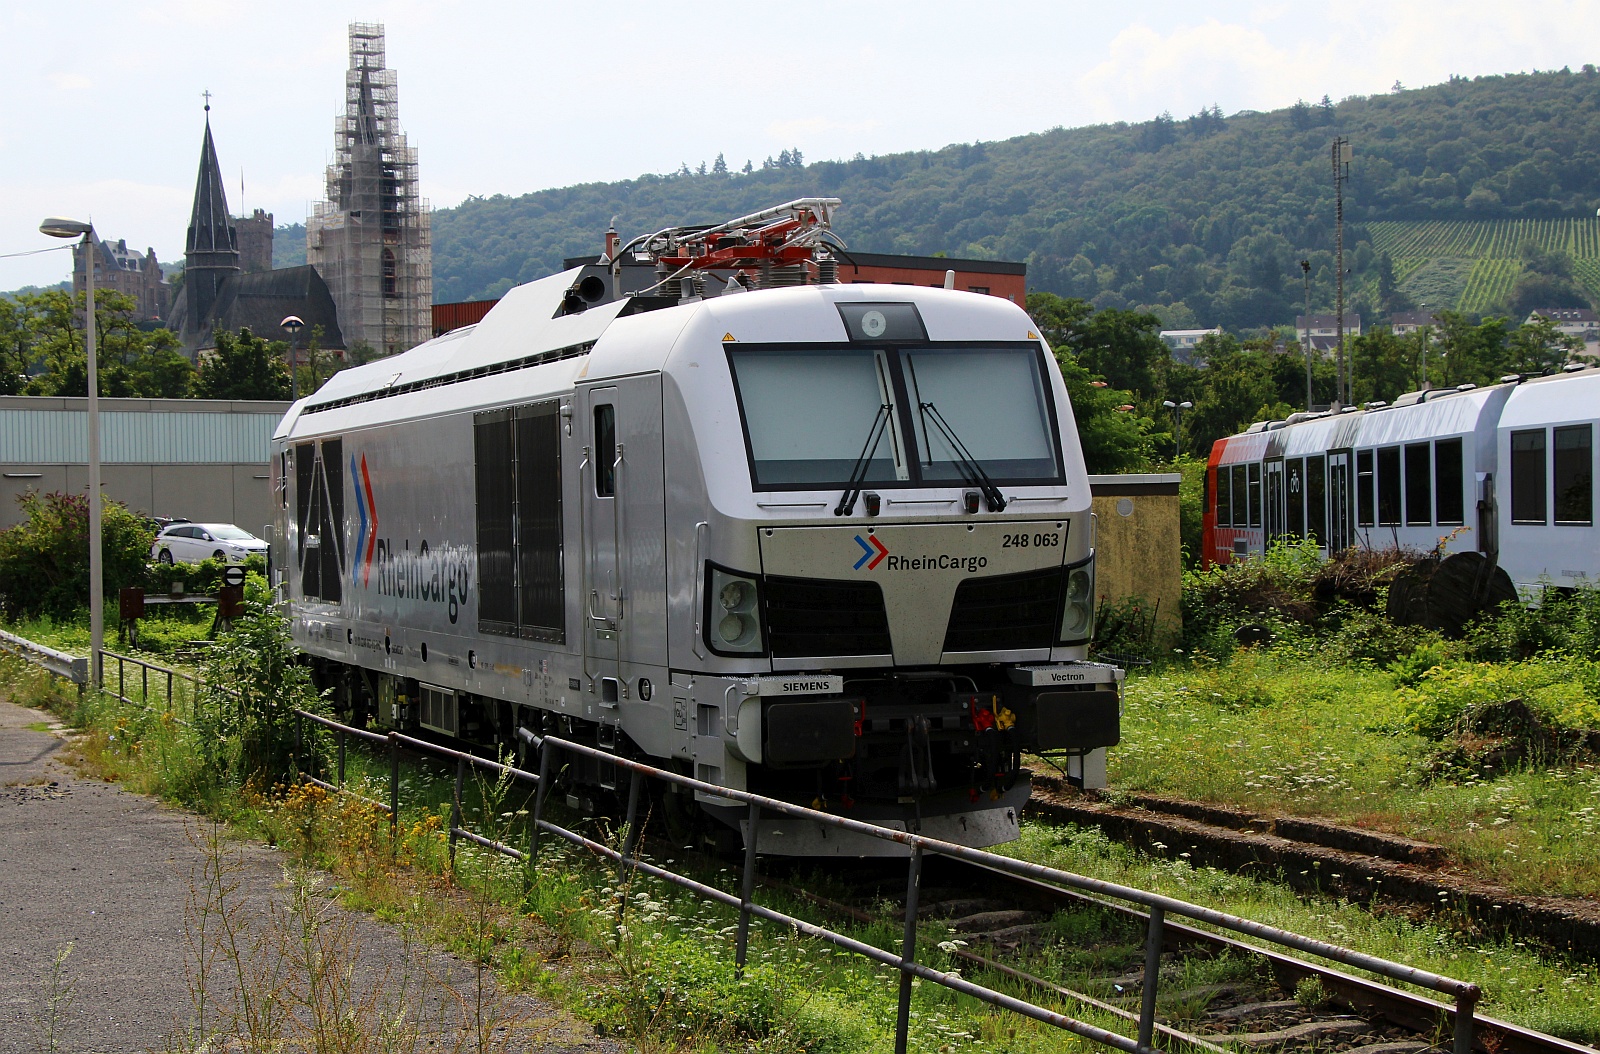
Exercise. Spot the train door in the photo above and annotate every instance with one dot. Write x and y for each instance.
(624, 594)
(1341, 513)
(1275, 498)
(605, 597)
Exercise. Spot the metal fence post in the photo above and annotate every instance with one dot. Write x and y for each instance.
(1466, 1002)
(144, 689)
(630, 842)
(747, 892)
(538, 800)
(1154, 938)
(340, 737)
(908, 949)
(294, 757)
(122, 692)
(169, 692)
(455, 809)
(394, 795)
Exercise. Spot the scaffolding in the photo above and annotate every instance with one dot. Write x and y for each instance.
(372, 239)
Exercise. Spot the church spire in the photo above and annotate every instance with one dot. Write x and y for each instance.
(211, 252)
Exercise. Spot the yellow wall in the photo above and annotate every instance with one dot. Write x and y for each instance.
(1138, 550)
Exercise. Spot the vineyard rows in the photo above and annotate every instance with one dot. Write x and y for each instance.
(1479, 239)
(1489, 284)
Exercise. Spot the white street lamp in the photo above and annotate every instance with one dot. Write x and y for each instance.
(56, 227)
(292, 325)
(1177, 423)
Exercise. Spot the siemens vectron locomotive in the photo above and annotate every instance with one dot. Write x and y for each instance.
(697, 503)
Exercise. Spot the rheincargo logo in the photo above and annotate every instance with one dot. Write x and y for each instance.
(871, 555)
(942, 562)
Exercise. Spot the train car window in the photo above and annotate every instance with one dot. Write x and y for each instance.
(542, 614)
(1255, 493)
(986, 402)
(331, 533)
(1364, 487)
(1389, 488)
(1449, 478)
(605, 450)
(1224, 496)
(810, 416)
(495, 459)
(1528, 482)
(1241, 496)
(1316, 499)
(1419, 485)
(1295, 472)
(1574, 475)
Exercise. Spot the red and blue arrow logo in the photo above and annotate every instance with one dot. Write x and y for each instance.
(366, 540)
(874, 552)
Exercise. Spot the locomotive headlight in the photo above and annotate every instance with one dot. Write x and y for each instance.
(733, 621)
(1077, 609)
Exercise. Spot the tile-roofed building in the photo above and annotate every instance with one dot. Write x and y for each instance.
(1403, 322)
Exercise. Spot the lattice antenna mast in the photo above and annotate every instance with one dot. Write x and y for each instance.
(1339, 154)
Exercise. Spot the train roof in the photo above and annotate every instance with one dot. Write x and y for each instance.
(1423, 415)
(1554, 400)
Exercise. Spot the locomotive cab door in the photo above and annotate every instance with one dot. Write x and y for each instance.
(623, 605)
(1341, 512)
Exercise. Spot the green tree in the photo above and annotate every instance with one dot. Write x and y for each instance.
(1114, 435)
(1123, 348)
(1539, 347)
(132, 361)
(1383, 365)
(244, 367)
(1471, 353)
(44, 560)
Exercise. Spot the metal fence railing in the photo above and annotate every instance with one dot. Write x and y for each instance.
(1463, 994)
(1461, 1016)
(177, 691)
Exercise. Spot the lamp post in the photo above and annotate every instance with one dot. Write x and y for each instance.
(1305, 271)
(292, 325)
(1177, 424)
(56, 227)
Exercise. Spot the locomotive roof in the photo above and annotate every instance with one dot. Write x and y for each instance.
(1553, 400)
(529, 333)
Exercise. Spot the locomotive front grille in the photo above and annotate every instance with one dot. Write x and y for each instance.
(1005, 612)
(807, 616)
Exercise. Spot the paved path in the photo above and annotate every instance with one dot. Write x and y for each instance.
(85, 862)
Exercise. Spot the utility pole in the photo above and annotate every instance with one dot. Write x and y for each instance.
(1340, 156)
(1305, 271)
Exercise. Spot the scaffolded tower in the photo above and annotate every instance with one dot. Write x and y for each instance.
(372, 240)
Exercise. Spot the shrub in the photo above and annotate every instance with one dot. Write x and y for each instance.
(44, 561)
(204, 577)
(253, 683)
(1563, 693)
(1563, 621)
(1367, 636)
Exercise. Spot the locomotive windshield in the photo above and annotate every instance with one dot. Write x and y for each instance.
(813, 417)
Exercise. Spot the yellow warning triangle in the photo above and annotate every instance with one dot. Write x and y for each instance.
(1032, 335)
(727, 337)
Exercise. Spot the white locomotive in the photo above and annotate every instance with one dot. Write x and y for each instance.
(1505, 470)
(826, 542)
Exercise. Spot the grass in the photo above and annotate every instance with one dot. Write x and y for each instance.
(1277, 731)
(665, 979)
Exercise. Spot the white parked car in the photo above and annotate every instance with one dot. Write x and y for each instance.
(192, 542)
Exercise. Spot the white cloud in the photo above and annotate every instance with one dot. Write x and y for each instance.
(71, 81)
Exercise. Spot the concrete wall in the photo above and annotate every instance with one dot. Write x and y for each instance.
(1138, 547)
(168, 457)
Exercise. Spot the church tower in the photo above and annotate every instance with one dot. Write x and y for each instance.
(371, 241)
(211, 252)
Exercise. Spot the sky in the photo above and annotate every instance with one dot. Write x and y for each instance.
(101, 108)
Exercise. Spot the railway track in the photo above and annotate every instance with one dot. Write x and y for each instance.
(1006, 923)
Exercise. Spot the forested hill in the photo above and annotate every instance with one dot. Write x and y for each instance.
(1202, 220)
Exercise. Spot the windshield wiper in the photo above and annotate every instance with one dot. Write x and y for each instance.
(970, 468)
(858, 474)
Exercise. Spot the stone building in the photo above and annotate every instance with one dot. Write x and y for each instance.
(255, 241)
(372, 239)
(129, 271)
(217, 293)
